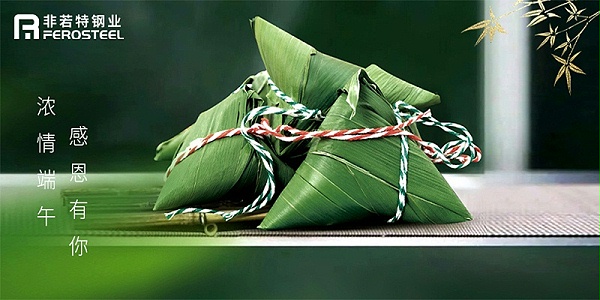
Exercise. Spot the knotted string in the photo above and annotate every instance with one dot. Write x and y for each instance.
(455, 154)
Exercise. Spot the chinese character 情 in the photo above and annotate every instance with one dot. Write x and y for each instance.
(46, 106)
(45, 216)
(113, 21)
(78, 172)
(78, 246)
(47, 179)
(46, 142)
(78, 136)
(78, 209)
(49, 21)
(65, 21)
(81, 21)
(98, 21)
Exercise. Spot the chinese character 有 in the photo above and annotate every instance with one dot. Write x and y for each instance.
(78, 136)
(78, 246)
(47, 179)
(78, 209)
(78, 172)
(46, 106)
(46, 142)
(45, 216)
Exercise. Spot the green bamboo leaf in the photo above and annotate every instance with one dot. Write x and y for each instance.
(395, 89)
(227, 168)
(169, 148)
(314, 79)
(342, 181)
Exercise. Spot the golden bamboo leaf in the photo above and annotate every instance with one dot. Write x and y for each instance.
(483, 34)
(576, 69)
(553, 15)
(479, 25)
(559, 59)
(543, 42)
(532, 13)
(561, 71)
(537, 20)
(568, 76)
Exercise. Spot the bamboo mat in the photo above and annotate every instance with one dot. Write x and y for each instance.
(532, 210)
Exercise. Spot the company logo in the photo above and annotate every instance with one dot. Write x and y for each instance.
(34, 28)
(68, 27)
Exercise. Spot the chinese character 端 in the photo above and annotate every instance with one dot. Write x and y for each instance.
(45, 215)
(46, 106)
(47, 179)
(78, 246)
(78, 172)
(78, 136)
(46, 142)
(78, 209)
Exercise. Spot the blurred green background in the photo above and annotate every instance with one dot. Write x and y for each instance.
(180, 58)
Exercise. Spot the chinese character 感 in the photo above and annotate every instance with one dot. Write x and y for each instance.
(78, 172)
(65, 21)
(113, 21)
(78, 209)
(98, 21)
(49, 21)
(46, 142)
(46, 106)
(45, 215)
(78, 246)
(78, 136)
(81, 21)
(47, 179)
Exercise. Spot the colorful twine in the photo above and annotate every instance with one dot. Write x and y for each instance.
(453, 154)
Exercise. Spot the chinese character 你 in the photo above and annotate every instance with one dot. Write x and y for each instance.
(78, 246)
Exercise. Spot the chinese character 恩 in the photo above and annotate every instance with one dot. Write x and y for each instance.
(46, 106)
(113, 21)
(98, 21)
(46, 142)
(47, 179)
(78, 246)
(65, 21)
(82, 21)
(78, 171)
(45, 216)
(78, 209)
(49, 21)
(78, 136)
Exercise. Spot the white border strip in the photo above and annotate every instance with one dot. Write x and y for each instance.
(270, 241)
